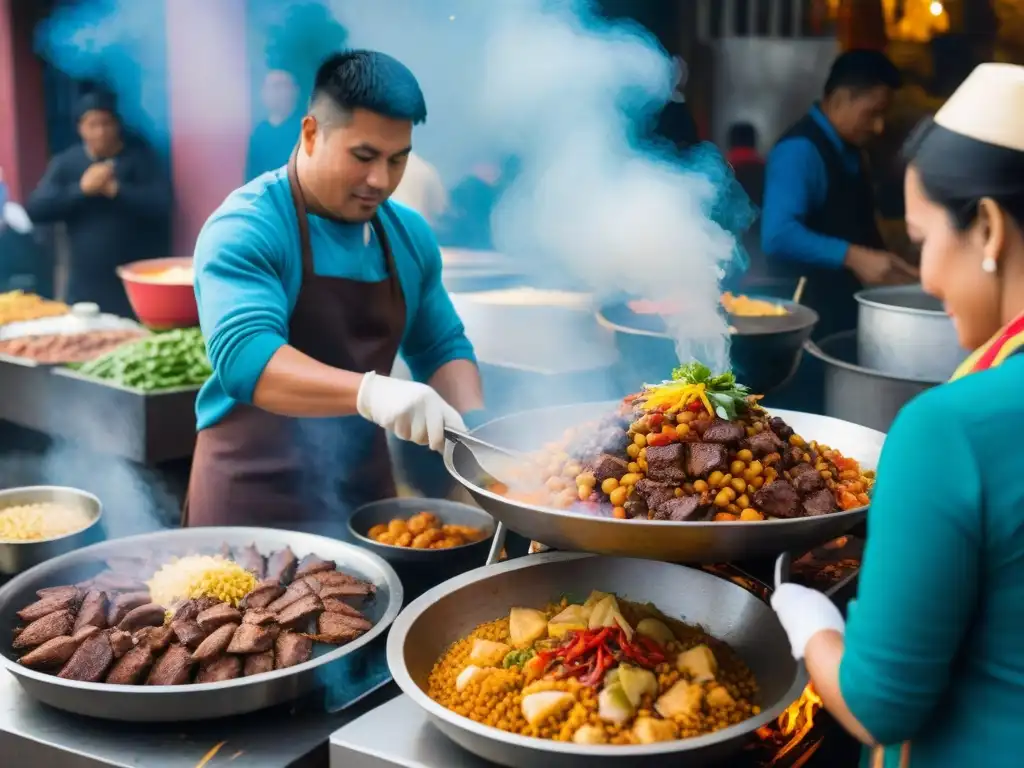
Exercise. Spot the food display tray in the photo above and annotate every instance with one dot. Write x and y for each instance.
(147, 428)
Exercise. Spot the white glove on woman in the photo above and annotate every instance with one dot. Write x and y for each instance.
(804, 613)
(413, 411)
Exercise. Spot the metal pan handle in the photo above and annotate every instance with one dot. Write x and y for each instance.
(497, 544)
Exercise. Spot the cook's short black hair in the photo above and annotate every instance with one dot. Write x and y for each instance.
(369, 80)
(861, 70)
(742, 135)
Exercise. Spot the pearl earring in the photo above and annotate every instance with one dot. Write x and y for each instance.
(988, 265)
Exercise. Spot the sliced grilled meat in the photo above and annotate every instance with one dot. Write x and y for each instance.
(359, 589)
(328, 622)
(173, 668)
(218, 670)
(122, 604)
(132, 667)
(249, 638)
(300, 611)
(90, 662)
(47, 606)
(336, 605)
(215, 644)
(262, 595)
(218, 616)
(120, 642)
(281, 566)
(290, 649)
(259, 616)
(93, 611)
(189, 633)
(149, 615)
(87, 631)
(311, 564)
(258, 663)
(65, 591)
(47, 628)
(339, 578)
(52, 653)
(334, 629)
(251, 559)
(297, 590)
(155, 638)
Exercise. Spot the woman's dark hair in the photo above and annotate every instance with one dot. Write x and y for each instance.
(957, 172)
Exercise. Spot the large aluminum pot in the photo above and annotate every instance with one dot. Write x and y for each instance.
(857, 394)
(904, 332)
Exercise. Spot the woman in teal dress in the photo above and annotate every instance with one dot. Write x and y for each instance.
(928, 668)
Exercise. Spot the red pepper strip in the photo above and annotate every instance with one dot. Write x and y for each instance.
(696, 405)
(585, 646)
(654, 651)
(597, 674)
(655, 419)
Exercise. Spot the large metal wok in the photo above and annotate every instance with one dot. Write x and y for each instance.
(696, 542)
(209, 700)
(728, 612)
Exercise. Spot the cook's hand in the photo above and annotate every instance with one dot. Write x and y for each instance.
(804, 613)
(411, 410)
(96, 177)
(878, 267)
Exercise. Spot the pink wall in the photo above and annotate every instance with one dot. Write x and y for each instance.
(208, 88)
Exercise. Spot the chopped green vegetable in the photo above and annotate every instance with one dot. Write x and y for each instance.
(517, 658)
(159, 362)
(728, 398)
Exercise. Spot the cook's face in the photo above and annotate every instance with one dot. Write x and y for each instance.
(100, 132)
(358, 164)
(280, 93)
(864, 114)
(951, 266)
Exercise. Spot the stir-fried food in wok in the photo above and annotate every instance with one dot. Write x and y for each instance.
(202, 618)
(695, 448)
(605, 671)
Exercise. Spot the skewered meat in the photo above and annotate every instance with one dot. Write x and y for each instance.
(90, 662)
(47, 628)
(48, 605)
(93, 611)
(122, 604)
(149, 615)
(336, 629)
(120, 642)
(218, 616)
(290, 649)
(311, 564)
(250, 559)
(258, 663)
(130, 668)
(215, 644)
(58, 592)
(281, 565)
(259, 616)
(249, 638)
(189, 633)
(111, 581)
(262, 595)
(85, 632)
(220, 669)
(297, 590)
(336, 605)
(173, 668)
(52, 653)
(299, 611)
(156, 638)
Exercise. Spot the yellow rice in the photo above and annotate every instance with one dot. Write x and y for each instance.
(32, 522)
(200, 576)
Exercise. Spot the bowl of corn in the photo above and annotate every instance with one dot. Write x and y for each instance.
(42, 521)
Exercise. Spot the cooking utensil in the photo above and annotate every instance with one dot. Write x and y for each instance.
(209, 700)
(17, 556)
(160, 305)
(799, 292)
(904, 332)
(858, 394)
(426, 628)
(692, 542)
(765, 351)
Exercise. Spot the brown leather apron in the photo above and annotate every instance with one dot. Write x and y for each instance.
(258, 468)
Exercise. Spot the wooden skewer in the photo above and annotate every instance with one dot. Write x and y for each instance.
(799, 292)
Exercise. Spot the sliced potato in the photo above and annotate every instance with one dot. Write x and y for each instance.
(719, 698)
(590, 734)
(487, 653)
(636, 682)
(471, 674)
(572, 619)
(613, 705)
(538, 707)
(683, 698)
(699, 663)
(648, 730)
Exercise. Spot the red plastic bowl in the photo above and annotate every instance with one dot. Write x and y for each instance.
(160, 305)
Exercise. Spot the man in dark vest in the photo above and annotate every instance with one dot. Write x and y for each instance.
(818, 217)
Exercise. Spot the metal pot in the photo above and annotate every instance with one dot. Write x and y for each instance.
(18, 556)
(904, 332)
(858, 394)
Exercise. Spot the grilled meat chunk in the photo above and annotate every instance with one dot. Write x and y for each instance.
(132, 667)
(262, 595)
(123, 604)
(300, 611)
(606, 465)
(93, 611)
(778, 499)
(821, 502)
(120, 642)
(249, 638)
(666, 463)
(250, 558)
(149, 615)
(682, 509)
(47, 628)
(704, 458)
(336, 605)
(806, 479)
(297, 590)
(338, 629)
(219, 669)
(780, 428)
(87, 631)
(65, 591)
(189, 633)
(654, 494)
(281, 565)
(47, 606)
(218, 616)
(155, 638)
(90, 661)
(721, 431)
(189, 609)
(215, 644)
(258, 663)
(52, 653)
(259, 616)
(359, 589)
(311, 564)
(339, 578)
(173, 668)
(764, 443)
(291, 649)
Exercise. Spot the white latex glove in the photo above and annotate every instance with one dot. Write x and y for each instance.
(413, 411)
(804, 613)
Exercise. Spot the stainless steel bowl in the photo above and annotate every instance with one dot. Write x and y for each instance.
(17, 556)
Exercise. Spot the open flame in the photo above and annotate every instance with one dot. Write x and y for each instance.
(793, 725)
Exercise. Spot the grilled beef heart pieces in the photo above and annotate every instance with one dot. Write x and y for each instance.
(120, 642)
(123, 604)
(654, 494)
(259, 616)
(682, 509)
(296, 591)
(291, 649)
(48, 605)
(606, 465)
(806, 479)
(249, 638)
(300, 611)
(336, 605)
(87, 631)
(281, 565)
(219, 669)
(189, 633)
(218, 616)
(154, 638)
(250, 558)
(338, 629)
(704, 458)
(258, 663)
(764, 443)
(149, 615)
(722, 431)
(780, 428)
(190, 609)
(262, 595)
(64, 591)
(173, 668)
(132, 667)
(47, 628)
(215, 644)
(52, 653)
(90, 662)
(778, 499)
(93, 611)
(311, 564)
(820, 502)
(339, 579)
(667, 463)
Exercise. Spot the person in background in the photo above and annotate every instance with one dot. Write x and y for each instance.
(747, 163)
(113, 196)
(422, 189)
(675, 123)
(928, 667)
(818, 213)
(467, 220)
(309, 282)
(274, 137)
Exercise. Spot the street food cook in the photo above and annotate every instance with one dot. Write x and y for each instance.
(309, 282)
(45, 520)
(696, 447)
(603, 671)
(194, 619)
(424, 530)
